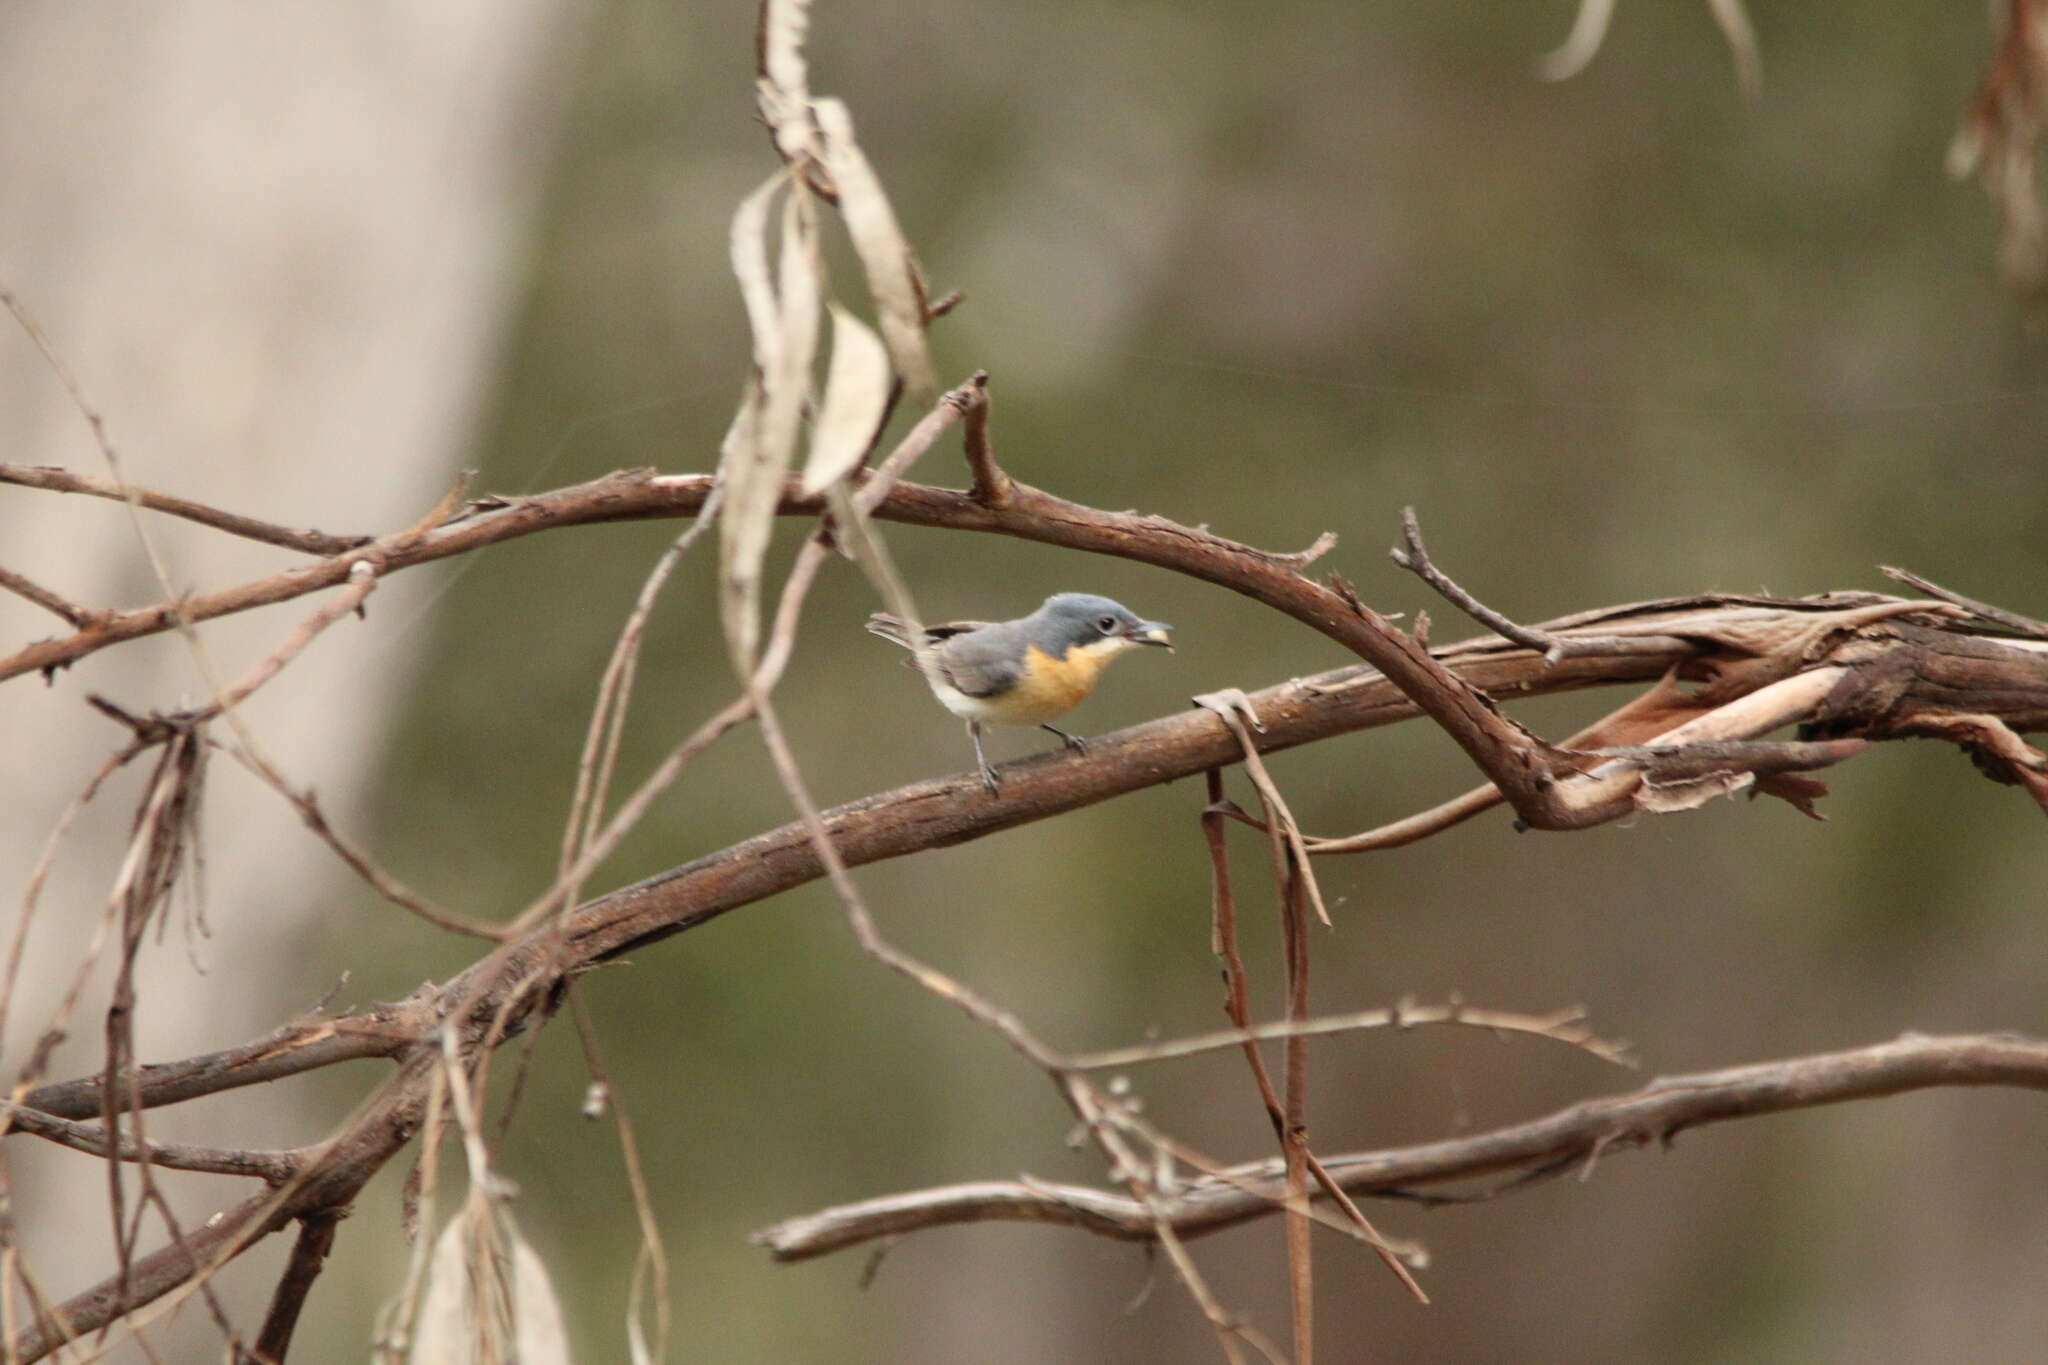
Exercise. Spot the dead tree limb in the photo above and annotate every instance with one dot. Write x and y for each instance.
(1568, 1140)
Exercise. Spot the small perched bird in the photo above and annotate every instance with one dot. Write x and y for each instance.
(1027, 671)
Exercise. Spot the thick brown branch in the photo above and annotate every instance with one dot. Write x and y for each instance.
(1713, 638)
(1561, 1141)
(1732, 643)
(149, 1278)
(1916, 670)
(951, 810)
(1507, 755)
(1526, 771)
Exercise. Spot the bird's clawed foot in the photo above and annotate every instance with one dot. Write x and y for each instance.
(1074, 742)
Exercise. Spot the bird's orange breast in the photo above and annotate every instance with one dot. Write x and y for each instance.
(1050, 686)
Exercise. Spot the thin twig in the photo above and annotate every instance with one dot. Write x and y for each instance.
(39, 874)
(1235, 709)
(79, 618)
(362, 582)
(1237, 1002)
(234, 523)
(650, 1262)
(359, 859)
(274, 1167)
(608, 716)
(992, 487)
(1414, 557)
(2011, 620)
(1293, 876)
(1567, 1027)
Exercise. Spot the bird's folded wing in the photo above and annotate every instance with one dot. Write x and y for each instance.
(982, 661)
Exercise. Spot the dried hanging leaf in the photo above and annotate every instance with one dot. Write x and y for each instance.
(443, 1330)
(893, 276)
(750, 267)
(1589, 31)
(856, 394)
(801, 276)
(784, 86)
(1740, 34)
(536, 1310)
(1581, 45)
(783, 312)
(1999, 142)
(742, 544)
(488, 1296)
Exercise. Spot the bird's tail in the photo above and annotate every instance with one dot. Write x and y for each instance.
(891, 628)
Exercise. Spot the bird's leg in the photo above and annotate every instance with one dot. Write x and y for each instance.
(988, 774)
(1074, 742)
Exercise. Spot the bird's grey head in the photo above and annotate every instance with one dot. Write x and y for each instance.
(1081, 618)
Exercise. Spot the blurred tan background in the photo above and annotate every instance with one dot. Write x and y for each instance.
(1280, 269)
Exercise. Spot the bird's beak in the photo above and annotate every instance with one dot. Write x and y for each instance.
(1151, 633)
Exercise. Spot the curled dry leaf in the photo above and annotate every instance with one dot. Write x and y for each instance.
(856, 394)
(892, 271)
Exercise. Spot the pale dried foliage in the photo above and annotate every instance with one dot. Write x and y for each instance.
(2000, 142)
(1850, 668)
(1589, 32)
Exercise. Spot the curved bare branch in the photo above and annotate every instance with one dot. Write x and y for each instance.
(1570, 1139)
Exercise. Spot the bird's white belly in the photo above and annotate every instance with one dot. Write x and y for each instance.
(981, 709)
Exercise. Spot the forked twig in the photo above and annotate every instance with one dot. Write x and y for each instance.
(1414, 557)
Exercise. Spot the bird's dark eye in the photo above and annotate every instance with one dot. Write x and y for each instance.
(1107, 625)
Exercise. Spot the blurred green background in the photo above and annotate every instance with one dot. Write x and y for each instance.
(1280, 269)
